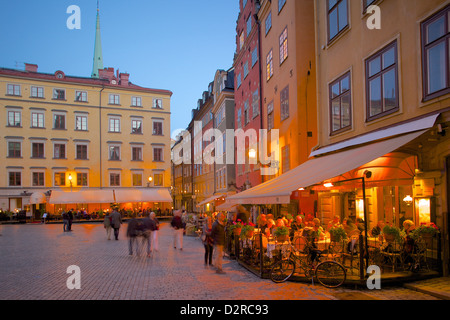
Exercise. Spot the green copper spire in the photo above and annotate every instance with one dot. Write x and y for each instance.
(98, 56)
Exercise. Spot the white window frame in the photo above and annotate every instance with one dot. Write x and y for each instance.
(38, 113)
(83, 95)
(114, 99)
(13, 89)
(116, 128)
(112, 145)
(37, 171)
(55, 95)
(84, 127)
(136, 101)
(35, 92)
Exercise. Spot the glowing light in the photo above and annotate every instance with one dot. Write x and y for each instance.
(328, 185)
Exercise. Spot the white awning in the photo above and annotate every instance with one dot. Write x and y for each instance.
(316, 170)
(82, 196)
(143, 195)
(37, 197)
(211, 199)
(412, 126)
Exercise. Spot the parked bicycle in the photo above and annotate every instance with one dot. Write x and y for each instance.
(303, 256)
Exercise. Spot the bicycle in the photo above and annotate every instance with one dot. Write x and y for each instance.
(329, 273)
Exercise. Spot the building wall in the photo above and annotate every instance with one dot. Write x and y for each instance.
(96, 135)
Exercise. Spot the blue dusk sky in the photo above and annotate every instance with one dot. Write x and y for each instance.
(175, 45)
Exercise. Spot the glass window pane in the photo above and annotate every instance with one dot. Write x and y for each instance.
(343, 21)
(335, 114)
(374, 66)
(345, 110)
(388, 58)
(335, 90)
(331, 4)
(333, 23)
(345, 84)
(436, 29)
(375, 97)
(436, 72)
(390, 94)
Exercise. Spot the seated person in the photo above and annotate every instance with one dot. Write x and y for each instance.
(376, 231)
(350, 227)
(336, 222)
(297, 225)
(317, 228)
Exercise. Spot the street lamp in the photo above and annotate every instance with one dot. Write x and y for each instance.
(149, 181)
(70, 181)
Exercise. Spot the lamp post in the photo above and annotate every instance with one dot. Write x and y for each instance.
(70, 181)
(149, 181)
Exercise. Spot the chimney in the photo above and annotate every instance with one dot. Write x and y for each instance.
(124, 77)
(107, 73)
(31, 67)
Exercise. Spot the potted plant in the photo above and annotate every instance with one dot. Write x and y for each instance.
(391, 233)
(247, 231)
(337, 234)
(236, 227)
(281, 233)
(426, 231)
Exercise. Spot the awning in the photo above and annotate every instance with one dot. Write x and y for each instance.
(316, 170)
(211, 199)
(37, 198)
(227, 207)
(143, 195)
(411, 126)
(82, 196)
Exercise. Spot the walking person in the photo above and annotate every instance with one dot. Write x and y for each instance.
(155, 244)
(70, 214)
(132, 234)
(148, 227)
(107, 225)
(65, 218)
(116, 221)
(218, 234)
(208, 242)
(177, 225)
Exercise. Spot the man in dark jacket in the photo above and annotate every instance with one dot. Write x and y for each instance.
(218, 234)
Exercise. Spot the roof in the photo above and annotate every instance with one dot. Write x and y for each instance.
(77, 80)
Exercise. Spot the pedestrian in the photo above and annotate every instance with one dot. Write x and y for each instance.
(116, 221)
(155, 244)
(218, 234)
(70, 213)
(65, 218)
(132, 234)
(148, 227)
(178, 226)
(107, 225)
(208, 241)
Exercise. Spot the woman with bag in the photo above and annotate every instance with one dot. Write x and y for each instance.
(208, 242)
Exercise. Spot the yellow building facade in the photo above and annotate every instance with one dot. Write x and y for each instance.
(75, 134)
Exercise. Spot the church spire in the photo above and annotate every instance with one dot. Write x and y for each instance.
(98, 56)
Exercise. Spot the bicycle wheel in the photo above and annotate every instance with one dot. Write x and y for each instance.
(282, 270)
(330, 274)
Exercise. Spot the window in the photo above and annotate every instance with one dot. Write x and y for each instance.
(246, 113)
(157, 103)
(270, 122)
(255, 103)
(245, 69)
(136, 126)
(59, 94)
(114, 99)
(382, 82)
(38, 179)
(114, 153)
(114, 179)
(59, 121)
(281, 4)
(82, 179)
(284, 103)
(241, 40)
(136, 101)
(269, 65)
(81, 96)
(137, 179)
(14, 119)
(367, 3)
(15, 179)
(114, 124)
(81, 152)
(268, 22)
(244, 3)
(239, 116)
(249, 25)
(37, 150)
(81, 123)
(157, 154)
(238, 81)
(285, 158)
(13, 89)
(136, 153)
(157, 128)
(158, 179)
(283, 46)
(37, 92)
(340, 104)
(14, 149)
(37, 120)
(254, 56)
(337, 17)
(60, 179)
(59, 151)
(436, 54)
